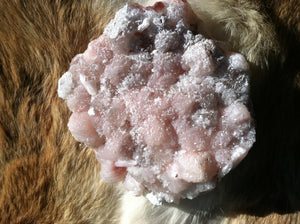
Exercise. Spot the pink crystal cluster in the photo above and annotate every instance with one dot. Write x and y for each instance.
(164, 108)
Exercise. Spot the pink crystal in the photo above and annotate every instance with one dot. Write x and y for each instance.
(164, 108)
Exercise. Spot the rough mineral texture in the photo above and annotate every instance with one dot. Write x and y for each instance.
(164, 107)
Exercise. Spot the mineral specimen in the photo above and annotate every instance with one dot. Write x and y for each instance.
(163, 106)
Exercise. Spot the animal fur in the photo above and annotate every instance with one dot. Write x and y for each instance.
(47, 177)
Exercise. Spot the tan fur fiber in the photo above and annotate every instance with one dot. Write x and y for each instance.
(48, 177)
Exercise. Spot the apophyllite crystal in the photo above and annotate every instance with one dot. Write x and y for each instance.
(163, 106)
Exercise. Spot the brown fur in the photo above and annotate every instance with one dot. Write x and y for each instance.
(47, 177)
